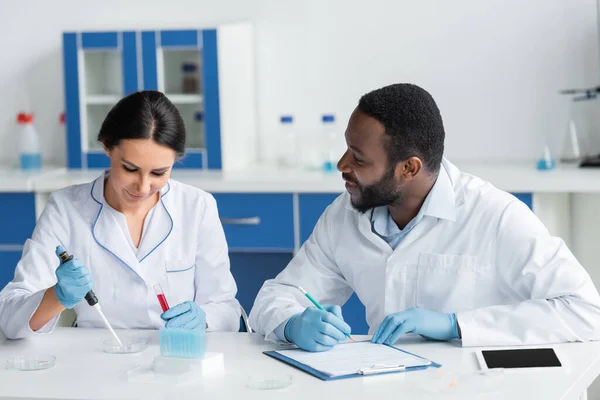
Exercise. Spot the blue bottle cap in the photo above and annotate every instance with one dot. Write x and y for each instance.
(286, 119)
(199, 116)
(328, 118)
(188, 67)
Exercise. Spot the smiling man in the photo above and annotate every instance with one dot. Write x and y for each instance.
(428, 249)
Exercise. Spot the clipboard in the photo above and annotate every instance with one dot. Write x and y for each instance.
(369, 371)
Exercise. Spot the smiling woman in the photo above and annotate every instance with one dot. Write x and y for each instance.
(131, 228)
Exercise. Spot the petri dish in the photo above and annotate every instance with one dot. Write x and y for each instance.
(130, 345)
(269, 382)
(30, 362)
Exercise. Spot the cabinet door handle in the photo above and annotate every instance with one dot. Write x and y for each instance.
(11, 247)
(241, 221)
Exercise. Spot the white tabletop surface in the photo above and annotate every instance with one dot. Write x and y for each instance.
(512, 176)
(84, 371)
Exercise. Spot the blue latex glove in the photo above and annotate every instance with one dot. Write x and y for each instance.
(317, 330)
(429, 324)
(186, 315)
(74, 281)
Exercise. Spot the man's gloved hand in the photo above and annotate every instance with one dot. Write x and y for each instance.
(429, 324)
(317, 330)
(186, 315)
(74, 281)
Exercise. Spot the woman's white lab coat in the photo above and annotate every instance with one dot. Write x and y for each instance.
(183, 248)
(489, 259)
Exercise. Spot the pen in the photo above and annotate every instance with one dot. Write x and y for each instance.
(316, 304)
(375, 370)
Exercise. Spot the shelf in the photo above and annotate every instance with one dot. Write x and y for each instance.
(185, 98)
(102, 71)
(95, 114)
(102, 99)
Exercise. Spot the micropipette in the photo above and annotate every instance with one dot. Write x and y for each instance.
(92, 300)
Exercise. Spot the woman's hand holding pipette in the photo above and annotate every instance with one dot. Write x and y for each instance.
(186, 315)
(74, 281)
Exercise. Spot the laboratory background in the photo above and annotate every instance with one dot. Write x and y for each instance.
(266, 87)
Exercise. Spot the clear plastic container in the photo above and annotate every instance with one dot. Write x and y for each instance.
(182, 343)
(30, 156)
(130, 345)
(287, 144)
(30, 362)
(582, 136)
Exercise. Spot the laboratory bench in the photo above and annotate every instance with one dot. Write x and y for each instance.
(84, 371)
(267, 213)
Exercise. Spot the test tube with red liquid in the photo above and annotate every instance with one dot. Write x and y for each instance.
(161, 297)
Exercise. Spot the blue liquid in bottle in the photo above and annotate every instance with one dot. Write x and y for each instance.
(31, 161)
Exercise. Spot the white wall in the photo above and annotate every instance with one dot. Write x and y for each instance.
(494, 66)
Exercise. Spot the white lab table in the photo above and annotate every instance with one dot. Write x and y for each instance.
(84, 371)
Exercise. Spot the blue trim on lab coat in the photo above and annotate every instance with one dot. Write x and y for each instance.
(171, 218)
(180, 270)
(105, 248)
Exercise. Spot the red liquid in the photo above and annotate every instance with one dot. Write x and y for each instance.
(163, 302)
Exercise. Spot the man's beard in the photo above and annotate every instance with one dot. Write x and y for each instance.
(381, 193)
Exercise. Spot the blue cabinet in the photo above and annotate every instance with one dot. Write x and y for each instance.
(102, 67)
(164, 55)
(17, 217)
(256, 222)
(8, 262)
(207, 74)
(251, 270)
(17, 221)
(99, 69)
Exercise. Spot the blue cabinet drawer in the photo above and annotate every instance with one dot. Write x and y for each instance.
(311, 206)
(8, 262)
(251, 270)
(17, 217)
(257, 221)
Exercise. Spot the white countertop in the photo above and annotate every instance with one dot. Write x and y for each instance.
(510, 176)
(83, 370)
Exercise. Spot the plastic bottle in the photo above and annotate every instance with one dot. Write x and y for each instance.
(189, 83)
(332, 151)
(287, 144)
(197, 138)
(29, 145)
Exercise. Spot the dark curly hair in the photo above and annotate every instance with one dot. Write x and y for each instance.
(411, 120)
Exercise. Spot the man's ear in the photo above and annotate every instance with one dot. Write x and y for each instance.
(408, 169)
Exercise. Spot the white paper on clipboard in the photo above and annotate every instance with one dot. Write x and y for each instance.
(349, 358)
